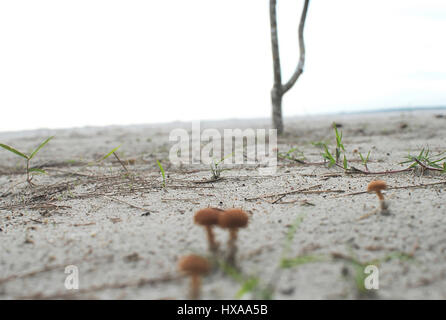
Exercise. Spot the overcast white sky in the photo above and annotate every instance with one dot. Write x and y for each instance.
(99, 62)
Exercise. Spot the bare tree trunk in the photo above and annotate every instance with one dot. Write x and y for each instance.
(276, 92)
(276, 101)
(280, 89)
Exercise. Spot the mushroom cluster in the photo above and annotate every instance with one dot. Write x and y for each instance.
(230, 219)
(196, 266)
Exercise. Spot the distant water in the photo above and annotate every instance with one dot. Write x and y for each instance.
(395, 109)
(255, 119)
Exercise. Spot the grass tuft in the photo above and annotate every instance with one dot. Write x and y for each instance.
(427, 160)
(163, 173)
(28, 158)
(248, 284)
(109, 154)
(216, 170)
(294, 154)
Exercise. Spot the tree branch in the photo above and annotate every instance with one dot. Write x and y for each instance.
(275, 44)
(300, 67)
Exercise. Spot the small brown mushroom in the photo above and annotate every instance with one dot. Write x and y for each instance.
(232, 219)
(195, 267)
(377, 186)
(207, 218)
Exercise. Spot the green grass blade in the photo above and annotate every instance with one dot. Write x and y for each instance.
(338, 137)
(368, 155)
(37, 170)
(404, 162)
(327, 155)
(403, 256)
(163, 173)
(345, 163)
(360, 278)
(413, 165)
(109, 154)
(438, 160)
(421, 153)
(434, 165)
(293, 228)
(11, 149)
(40, 147)
(319, 144)
(290, 235)
(231, 271)
(223, 159)
(300, 260)
(247, 286)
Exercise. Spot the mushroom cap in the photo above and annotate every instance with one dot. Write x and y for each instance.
(194, 265)
(233, 218)
(376, 185)
(207, 216)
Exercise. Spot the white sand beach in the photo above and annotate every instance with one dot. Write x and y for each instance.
(125, 233)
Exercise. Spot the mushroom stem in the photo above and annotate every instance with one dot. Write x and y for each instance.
(384, 207)
(382, 203)
(232, 219)
(232, 245)
(377, 186)
(213, 245)
(195, 285)
(380, 195)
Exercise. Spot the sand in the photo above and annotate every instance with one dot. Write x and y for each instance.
(125, 233)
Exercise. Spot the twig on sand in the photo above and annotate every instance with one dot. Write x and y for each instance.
(48, 268)
(304, 191)
(422, 185)
(425, 167)
(279, 198)
(122, 164)
(208, 181)
(190, 187)
(364, 216)
(324, 191)
(302, 202)
(127, 203)
(180, 199)
(46, 205)
(282, 194)
(118, 285)
(83, 224)
(354, 170)
(341, 256)
(74, 173)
